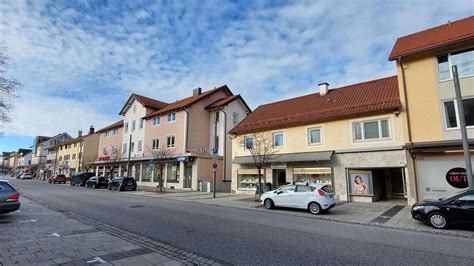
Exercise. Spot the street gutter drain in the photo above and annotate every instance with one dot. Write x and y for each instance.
(137, 206)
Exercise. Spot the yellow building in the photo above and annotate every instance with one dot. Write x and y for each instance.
(424, 61)
(77, 155)
(331, 136)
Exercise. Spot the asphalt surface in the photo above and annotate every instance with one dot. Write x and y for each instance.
(239, 236)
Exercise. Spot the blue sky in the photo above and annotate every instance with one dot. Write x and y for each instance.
(78, 61)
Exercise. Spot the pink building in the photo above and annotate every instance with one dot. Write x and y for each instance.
(187, 129)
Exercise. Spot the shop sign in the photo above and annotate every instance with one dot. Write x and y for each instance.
(457, 177)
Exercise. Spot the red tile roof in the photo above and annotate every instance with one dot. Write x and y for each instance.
(366, 98)
(112, 126)
(449, 33)
(147, 102)
(227, 100)
(187, 101)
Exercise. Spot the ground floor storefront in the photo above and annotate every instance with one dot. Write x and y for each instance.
(179, 172)
(363, 176)
(439, 168)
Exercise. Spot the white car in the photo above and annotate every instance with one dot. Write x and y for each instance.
(25, 176)
(315, 197)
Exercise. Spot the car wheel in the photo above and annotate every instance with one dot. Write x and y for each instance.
(314, 208)
(438, 220)
(268, 203)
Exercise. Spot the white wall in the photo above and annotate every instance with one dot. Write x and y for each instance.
(138, 134)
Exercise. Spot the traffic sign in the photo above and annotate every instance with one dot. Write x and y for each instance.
(215, 151)
(214, 165)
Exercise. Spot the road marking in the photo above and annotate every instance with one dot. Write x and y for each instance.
(28, 221)
(54, 234)
(96, 259)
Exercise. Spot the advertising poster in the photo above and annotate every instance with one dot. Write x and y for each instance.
(361, 183)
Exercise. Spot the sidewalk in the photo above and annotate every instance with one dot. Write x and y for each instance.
(385, 214)
(36, 235)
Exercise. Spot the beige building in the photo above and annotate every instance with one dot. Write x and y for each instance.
(432, 133)
(77, 155)
(335, 136)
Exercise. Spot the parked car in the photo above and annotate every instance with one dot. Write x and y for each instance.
(81, 178)
(97, 182)
(9, 198)
(311, 196)
(25, 176)
(440, 214)
(57, 179)
(120, 183)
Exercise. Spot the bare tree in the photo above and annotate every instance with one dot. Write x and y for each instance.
(87, 162)
(161, 155)
(260, 146)
(8, 87)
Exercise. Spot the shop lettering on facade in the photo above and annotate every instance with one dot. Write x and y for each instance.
(457, 177)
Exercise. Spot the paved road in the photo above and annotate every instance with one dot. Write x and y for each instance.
(240, 236)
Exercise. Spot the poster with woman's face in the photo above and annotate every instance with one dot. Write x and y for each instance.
(360, 184)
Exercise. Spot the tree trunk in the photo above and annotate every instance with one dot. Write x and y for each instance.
(161, 179)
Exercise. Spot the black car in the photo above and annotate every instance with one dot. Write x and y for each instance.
(9, 198)
(456, 209)
(123, 183)
(97, 182)
(81, 178)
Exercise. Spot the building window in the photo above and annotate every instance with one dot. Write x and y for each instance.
(171, 117)
(371, 130)
(452, 115)
(155, 144)
(125, 148)
(134, 108)
(235, 118)
(248, 143)
(172, 173)
(75, 145)
(141, 124)
(105, 151)
(217, 116)
(126, 127)
(312, 175)
(156, 121)
(116, 131)
(107, 133)
(114, 149)
(140, 146)
(132, 147)
(314, 136)
(464, 60)
(247, 178)
(170, 142)
(74, 156)
(278, 139)
(133, 125)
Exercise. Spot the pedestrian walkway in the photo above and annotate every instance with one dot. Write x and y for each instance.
(392, 214)
(36, 235)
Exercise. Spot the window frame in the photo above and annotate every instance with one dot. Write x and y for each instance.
(157, 146)
(235, 118)
(141, 124)
(450, 64)
(134, 126)
(379, 125)
(273, 139)
(308, 136)
(245, 142)
(174, 141)
(115, 131)
(173, 116)
(156, 119)
(140, 146)
(458, 126)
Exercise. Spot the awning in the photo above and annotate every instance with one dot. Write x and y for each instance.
(290, 157)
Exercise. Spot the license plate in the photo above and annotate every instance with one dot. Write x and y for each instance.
(130, 183)
(331, 196)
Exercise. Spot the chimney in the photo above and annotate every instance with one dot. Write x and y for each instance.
(323, 88)
(79, 133)
(91, 130)
(197, 92)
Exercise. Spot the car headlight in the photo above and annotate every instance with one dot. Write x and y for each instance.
(417, 208)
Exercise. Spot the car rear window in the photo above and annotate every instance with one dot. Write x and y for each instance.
(327, 189)
(5, 187)
(61, 176)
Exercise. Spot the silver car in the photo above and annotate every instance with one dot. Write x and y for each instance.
(9, 198)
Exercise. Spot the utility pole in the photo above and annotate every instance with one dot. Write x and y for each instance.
(129, 152)
(215, 154)
(462, 122)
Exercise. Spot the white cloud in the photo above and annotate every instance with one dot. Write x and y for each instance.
(77, 67)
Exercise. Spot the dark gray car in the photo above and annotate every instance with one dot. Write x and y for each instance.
(9, 198)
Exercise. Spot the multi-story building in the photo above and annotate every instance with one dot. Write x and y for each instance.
(78, 154)
(187, 129)
(41, 148)
(424, 60)
(350, 137)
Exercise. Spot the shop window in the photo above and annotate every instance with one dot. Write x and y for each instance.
(452, 115)
(314, 136)
(371, 130)
(172, 173)
(278, 139)
(361, 183)
(146, 172)
(247, 179)
(312, 175)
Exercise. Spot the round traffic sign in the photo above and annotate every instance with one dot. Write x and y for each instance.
(214, 165)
